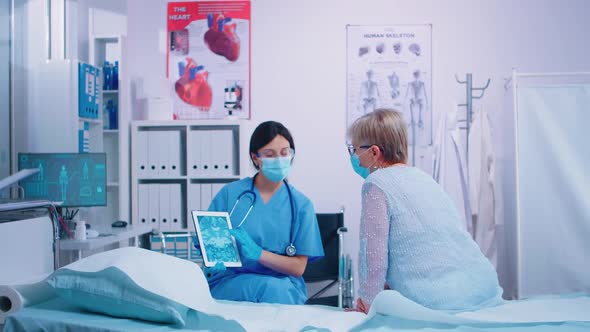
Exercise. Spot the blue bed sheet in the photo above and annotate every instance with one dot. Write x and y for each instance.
(57, 315)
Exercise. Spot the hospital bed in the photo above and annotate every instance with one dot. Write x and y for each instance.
(179, 280)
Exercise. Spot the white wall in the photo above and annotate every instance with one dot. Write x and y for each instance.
(30, 49)
(99, 17)
(4, 89)
(299, 62)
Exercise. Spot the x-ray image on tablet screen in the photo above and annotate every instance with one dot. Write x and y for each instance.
(217, 244)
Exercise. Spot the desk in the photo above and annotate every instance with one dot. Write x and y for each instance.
(113, 235)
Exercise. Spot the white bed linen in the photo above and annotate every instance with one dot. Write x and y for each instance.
(183, 281)
(540, 310)
(282, 317)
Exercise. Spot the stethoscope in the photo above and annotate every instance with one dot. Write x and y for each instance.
(290, 250)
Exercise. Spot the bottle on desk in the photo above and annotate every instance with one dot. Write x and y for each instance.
(80, 230)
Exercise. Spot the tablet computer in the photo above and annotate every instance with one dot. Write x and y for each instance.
(217, 244)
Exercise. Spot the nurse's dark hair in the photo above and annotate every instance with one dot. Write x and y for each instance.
(266, 132)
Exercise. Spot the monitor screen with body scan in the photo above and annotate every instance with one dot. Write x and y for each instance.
(76, 179)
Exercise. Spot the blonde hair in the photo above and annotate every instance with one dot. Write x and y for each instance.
(385, 128)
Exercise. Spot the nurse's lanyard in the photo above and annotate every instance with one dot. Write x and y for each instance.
(290, 250)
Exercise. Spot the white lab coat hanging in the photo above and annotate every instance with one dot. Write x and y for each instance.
(481, 163)
(449, 166)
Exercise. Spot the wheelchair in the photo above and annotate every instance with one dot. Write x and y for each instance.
(334, 268)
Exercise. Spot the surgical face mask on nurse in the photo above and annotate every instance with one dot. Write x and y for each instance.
(276, 166)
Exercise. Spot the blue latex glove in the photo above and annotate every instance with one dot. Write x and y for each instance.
(214, 270)
(196, 244)
(248, 248)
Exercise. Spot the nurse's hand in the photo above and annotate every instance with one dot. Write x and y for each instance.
(214, 270)
(248, 248)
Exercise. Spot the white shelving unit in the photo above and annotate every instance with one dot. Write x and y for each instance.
(115, 142)
(178, 166)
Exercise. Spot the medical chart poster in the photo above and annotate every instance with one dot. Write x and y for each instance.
(390, 66)
(208, 59)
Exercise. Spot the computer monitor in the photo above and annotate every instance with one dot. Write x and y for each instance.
(76, 179)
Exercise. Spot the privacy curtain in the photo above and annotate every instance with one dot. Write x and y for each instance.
(553, 180)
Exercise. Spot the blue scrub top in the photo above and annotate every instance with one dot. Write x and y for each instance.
(269, 225)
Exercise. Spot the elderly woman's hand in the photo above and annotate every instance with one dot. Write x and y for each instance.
(361, 306)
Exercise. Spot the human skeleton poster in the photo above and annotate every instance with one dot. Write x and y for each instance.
(390, 66)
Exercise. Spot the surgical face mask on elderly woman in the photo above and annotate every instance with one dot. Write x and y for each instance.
(356, 162)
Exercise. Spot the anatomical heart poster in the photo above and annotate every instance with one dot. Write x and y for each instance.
(208, 54)
(390, 66)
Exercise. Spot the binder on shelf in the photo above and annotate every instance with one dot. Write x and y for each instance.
(176, 207)
(194, 153)
(226, 152)
(142, 160)
(194, 197)
(154, 205)
(164, 207)
(174, 153)
(153, 157)
(205, 159)
(206, 195)
(215, 148)
(161, 141)
(221, 152)
(215, 188)
(143, 203)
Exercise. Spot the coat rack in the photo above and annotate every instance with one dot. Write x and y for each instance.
(469, 89)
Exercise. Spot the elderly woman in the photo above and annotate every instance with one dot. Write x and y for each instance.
(411, 239)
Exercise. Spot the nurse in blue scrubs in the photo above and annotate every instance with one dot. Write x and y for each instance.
(275, 226)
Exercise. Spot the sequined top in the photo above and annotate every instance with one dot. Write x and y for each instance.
(411, 241)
